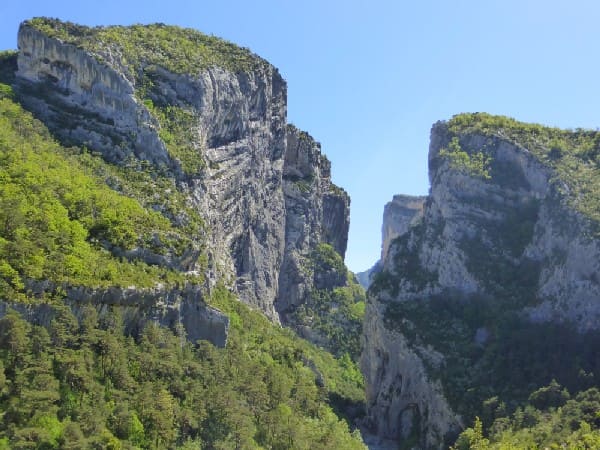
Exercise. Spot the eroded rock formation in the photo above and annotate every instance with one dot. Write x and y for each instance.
(502, 235)
(262, 188)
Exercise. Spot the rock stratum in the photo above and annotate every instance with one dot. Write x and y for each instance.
(493, 291)
(249, 196)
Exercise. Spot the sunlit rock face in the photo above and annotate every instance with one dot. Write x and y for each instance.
(263, 188)
(398, 215)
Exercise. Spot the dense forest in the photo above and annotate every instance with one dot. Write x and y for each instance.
(550, 419)
(85, 384)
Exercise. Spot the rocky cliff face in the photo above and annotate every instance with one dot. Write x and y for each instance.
(398, 216)
(317, 212)
(502, 237)
(217, 131)
(85, 101)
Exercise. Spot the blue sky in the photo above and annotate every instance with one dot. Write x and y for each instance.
(369, 78)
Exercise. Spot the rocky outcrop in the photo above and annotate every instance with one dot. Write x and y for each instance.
(239, 129)
(403, 402)
(242, 195)
(84, 101)
(365, 278)
(398, 215)
(317, 212)
(264, 190)
(498, 228)
(169, 308)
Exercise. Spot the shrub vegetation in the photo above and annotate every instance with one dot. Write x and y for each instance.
(573, 154)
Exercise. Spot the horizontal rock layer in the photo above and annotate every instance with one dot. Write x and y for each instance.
(169, 308)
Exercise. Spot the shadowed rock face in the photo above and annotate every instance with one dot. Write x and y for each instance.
(510, 237)
(264, 190)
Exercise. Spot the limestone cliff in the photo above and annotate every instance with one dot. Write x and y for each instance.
(170, 308)
(504, 259)
(398, 215)
(210, 123)
(317, 212)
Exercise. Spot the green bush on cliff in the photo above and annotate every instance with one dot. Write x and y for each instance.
(155, 191)
(177, 130)
(325, 258)
(476, 164)
(406, 260)
(57, 219)
(335, 313)
(8, 67)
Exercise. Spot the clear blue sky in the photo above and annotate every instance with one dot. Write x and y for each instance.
(369, 78)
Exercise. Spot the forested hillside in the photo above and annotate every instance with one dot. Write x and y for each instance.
(85, 384)
(69, 218)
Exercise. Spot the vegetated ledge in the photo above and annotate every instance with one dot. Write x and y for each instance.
(573, 154)
(169, 307)
(179, 50)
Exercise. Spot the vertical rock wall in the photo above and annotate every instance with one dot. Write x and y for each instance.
(265, 191)
(509, 237)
